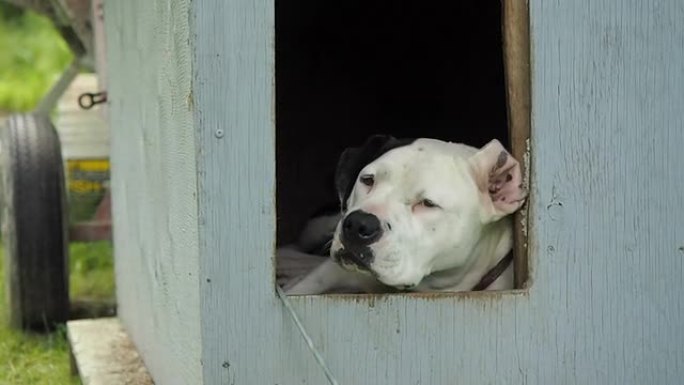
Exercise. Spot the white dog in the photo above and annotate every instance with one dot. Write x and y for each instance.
(424, 215)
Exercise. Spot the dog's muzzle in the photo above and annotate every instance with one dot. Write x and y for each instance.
(359, 230)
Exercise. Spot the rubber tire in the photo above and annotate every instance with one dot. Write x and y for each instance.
(34, 227)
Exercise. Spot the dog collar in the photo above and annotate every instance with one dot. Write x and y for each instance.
(494, 273)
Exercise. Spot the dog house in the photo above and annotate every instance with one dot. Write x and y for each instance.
(226, 119)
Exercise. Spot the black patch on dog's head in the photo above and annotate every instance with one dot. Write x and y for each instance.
(354, 159)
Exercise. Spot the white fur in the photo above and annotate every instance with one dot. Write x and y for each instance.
(445, 248)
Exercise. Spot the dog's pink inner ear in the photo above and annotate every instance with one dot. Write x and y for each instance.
(499, 178)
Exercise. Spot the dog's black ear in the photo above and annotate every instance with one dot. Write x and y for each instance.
(354, 159)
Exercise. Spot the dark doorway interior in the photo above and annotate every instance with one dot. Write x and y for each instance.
(347, 70)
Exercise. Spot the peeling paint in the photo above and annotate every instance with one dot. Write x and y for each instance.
(526, 186)
(189, 101)
(373, 300)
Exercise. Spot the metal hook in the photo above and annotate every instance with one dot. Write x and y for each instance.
(88, 100)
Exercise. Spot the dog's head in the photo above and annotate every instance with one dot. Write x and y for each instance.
(412, 208)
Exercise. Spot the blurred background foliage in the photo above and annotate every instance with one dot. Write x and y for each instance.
(32, 56)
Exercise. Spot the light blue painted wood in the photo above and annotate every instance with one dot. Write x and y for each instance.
(154, 184)
(605, 242)
(606, 236)
(242, 324)
(608, 131)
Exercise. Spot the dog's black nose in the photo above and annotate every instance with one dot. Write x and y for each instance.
(361, 228)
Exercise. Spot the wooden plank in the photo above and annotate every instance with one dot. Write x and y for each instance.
(605, 222)
(516, 36)
(234, 101)
(154, 183)
(103, 354)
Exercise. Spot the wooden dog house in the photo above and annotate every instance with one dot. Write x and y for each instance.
(221, 111)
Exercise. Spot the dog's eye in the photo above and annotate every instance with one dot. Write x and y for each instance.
(428, 203)
(367, 179)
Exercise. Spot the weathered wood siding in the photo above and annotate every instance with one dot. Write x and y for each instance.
(606, 237)
(154, 183)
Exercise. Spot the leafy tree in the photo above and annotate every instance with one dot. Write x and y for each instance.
(32, 56)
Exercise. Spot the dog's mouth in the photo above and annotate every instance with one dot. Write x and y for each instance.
(357, 262)
(354, 260)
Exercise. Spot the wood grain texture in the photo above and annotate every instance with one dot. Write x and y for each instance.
(605, 238)
(607, 226)
(234, 97)
(516, 39)
(154, 184)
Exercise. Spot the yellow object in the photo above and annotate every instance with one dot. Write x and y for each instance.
(87, 175)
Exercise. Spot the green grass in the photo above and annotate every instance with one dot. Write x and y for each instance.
(92, 270)
(34, 359)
